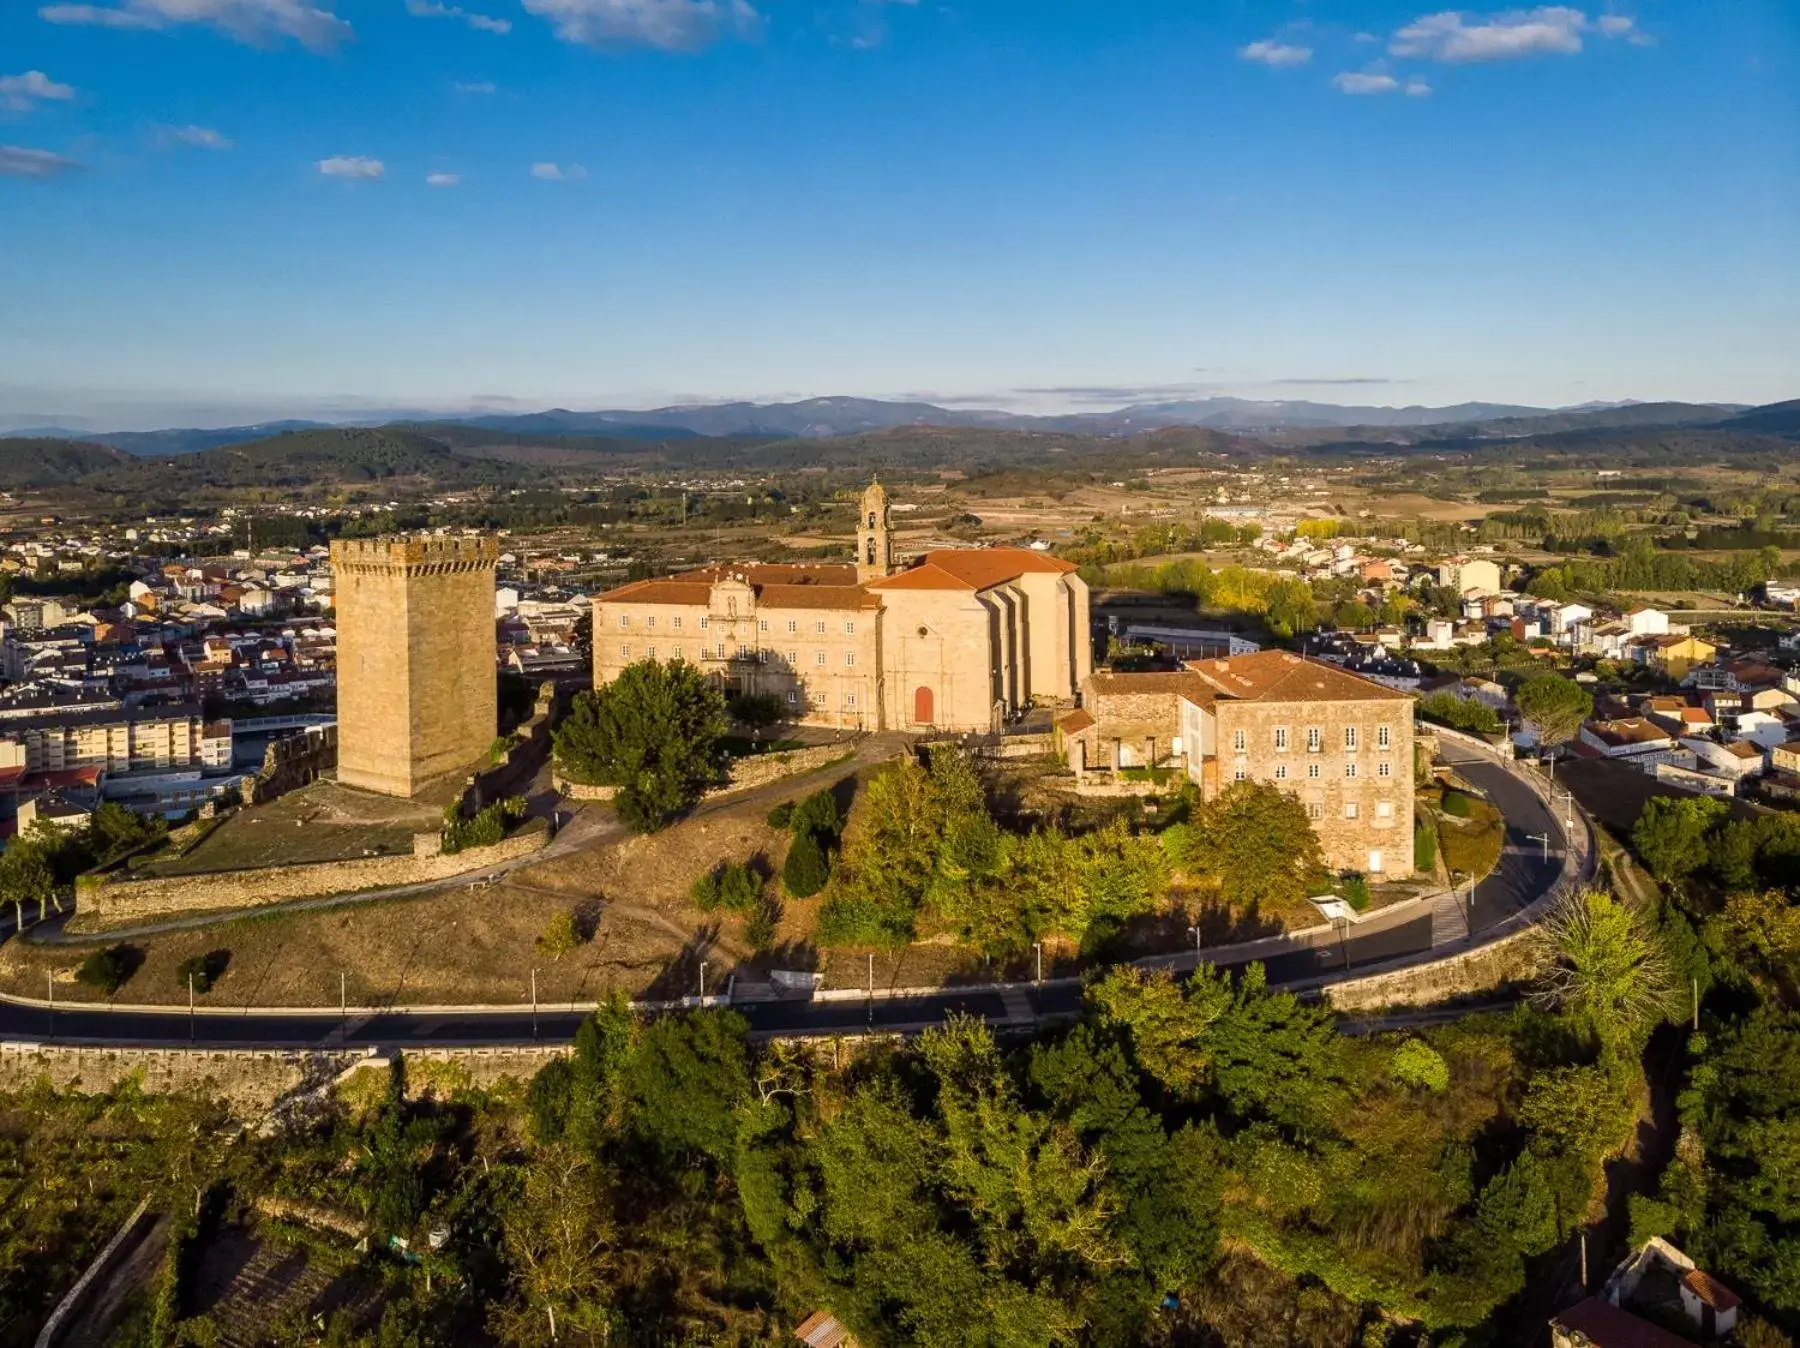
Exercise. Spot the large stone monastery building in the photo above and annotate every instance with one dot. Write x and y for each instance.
(959, 640)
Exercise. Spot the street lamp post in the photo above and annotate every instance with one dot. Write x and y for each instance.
(1037, 949)
(1543, 838)
(1194, 931)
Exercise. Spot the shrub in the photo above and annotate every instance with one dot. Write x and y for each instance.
(560, 936)
(760, 929)
(818, 815)
(205, 970)
(1355, 892)
(109, 969)
(781, 814)
(1425, 847)
(1418, 1064)
(1457, 805)
(806, 869)
(486, 828)
(735, 887)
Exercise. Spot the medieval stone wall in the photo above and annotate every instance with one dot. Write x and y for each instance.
(113, 902)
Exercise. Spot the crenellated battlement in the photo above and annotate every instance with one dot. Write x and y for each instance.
(415, 554)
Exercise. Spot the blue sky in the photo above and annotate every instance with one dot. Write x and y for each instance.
(220, 210)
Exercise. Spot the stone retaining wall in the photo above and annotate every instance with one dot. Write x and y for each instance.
(762, 769)
(251, 1081)
(1508, 960)
(115, 901)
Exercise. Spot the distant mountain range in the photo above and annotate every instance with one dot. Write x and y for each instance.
(823, 418)
(170, 466)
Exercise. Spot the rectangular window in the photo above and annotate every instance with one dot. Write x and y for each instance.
(1240, 773)
(704, 621)
(819, 627)
(1315, 739)
(675, 622)
(1384, 770)
(1349, 769)
(849, 629)
(650, 621)
(793, 659)
(1281, 772)
(1350, 738)
(849, 659)
(1240, 741)
(1383, 737)
(1312, 772)
(1314, 810)
(1384, 809)
(793, 627)
(624, 621)
(1281, 739)
(1349, 809)
(792, 697)
(849, 701)
(819, 659)
(649, 652)
(624, 650)
(762, 624)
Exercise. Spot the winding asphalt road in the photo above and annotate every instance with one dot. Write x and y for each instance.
(1524, 874)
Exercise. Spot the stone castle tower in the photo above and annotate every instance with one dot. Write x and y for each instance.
(874, 541)
(416, 684)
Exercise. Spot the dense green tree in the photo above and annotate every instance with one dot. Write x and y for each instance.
(653, 733)
(1673, 834)
(1553, 706)
(805, 869)
(1255, 840)
(686, 1079)
(1603, 965)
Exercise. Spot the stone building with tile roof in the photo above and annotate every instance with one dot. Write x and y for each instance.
(961, 639)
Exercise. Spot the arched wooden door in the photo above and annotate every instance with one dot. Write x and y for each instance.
(924, 712)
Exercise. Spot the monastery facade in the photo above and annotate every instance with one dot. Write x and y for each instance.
(961, 639)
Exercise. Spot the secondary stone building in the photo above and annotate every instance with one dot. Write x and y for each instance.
(416, 683)
(960, 640)
(1341, 743)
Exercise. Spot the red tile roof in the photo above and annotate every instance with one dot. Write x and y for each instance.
(972, 569)
(1604, 1325)
(1710, 1290)
(1282, 676)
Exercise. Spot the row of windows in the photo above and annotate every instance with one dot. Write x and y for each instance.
(820, 701)
(1313, 772)
(762, 624)
(1384, 809)
(1315, 739)
(719, 653)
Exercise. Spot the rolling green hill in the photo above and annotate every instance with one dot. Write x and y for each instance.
(38, 462)
(339, 455)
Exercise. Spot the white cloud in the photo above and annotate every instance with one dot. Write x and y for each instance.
(1417, 89)
(1452, 36)
(672, 24)
(432, 9)
(254, 21)
(16, 161)
(1364, 82)
(351, 166)
(21, 93)
(443, 180)
(1269, 52)
(474, 86)
(556, 173)
(201, 137)
(1615, 25)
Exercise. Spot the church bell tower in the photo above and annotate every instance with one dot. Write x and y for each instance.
(874, 542)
